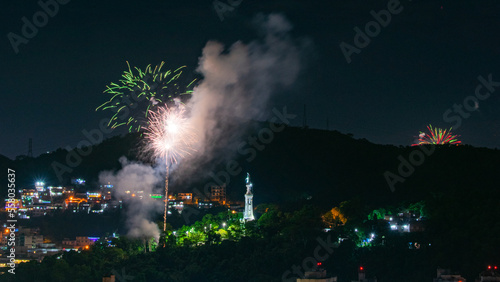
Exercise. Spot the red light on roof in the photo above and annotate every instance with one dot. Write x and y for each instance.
(489, 266)
(495, 267)
(360, 268)
(318, 264)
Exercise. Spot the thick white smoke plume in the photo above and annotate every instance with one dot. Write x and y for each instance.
(135, 177)
(237, 86)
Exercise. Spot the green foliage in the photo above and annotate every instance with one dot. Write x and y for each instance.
(377, 214)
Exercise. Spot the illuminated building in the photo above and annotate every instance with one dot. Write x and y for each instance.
(490, 274)
(106, 191)
(78, 181)
(362, 276)
(39, 210)
(248, 213)
(76, 204)
(28, 197)
(27, 239)
(316, 276)
(55, 191)
(138, 194)
(5, 236)
(175, 204)
(44, 196)
(94, 197)
(95, 201)
(106, 194)
(111, 278)
(13, 204)
(186, 197)
(446, 275)
(218, 194)
(204, 205)
(81, 242)
(68, 191)
(39, 185)
(156, 196)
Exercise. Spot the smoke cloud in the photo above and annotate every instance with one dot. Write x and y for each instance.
(237, 86)
(135, 177)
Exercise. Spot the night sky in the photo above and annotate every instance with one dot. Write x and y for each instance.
(426, 59)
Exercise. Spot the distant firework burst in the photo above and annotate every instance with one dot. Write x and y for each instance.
(437, 136)
(169, 136)
(140, 92)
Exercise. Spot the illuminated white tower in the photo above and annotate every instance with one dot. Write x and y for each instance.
(248, 214)
(39, 185)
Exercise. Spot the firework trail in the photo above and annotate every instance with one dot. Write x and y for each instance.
(169, 136)
(140, 92)
(437, 136)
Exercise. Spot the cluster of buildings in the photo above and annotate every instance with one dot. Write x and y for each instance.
(41, 200)
(406, 222)
(318, 274)
(30, 244)
(490, 274)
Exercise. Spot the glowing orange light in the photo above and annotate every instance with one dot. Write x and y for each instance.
(87, 247)
(489, 266)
